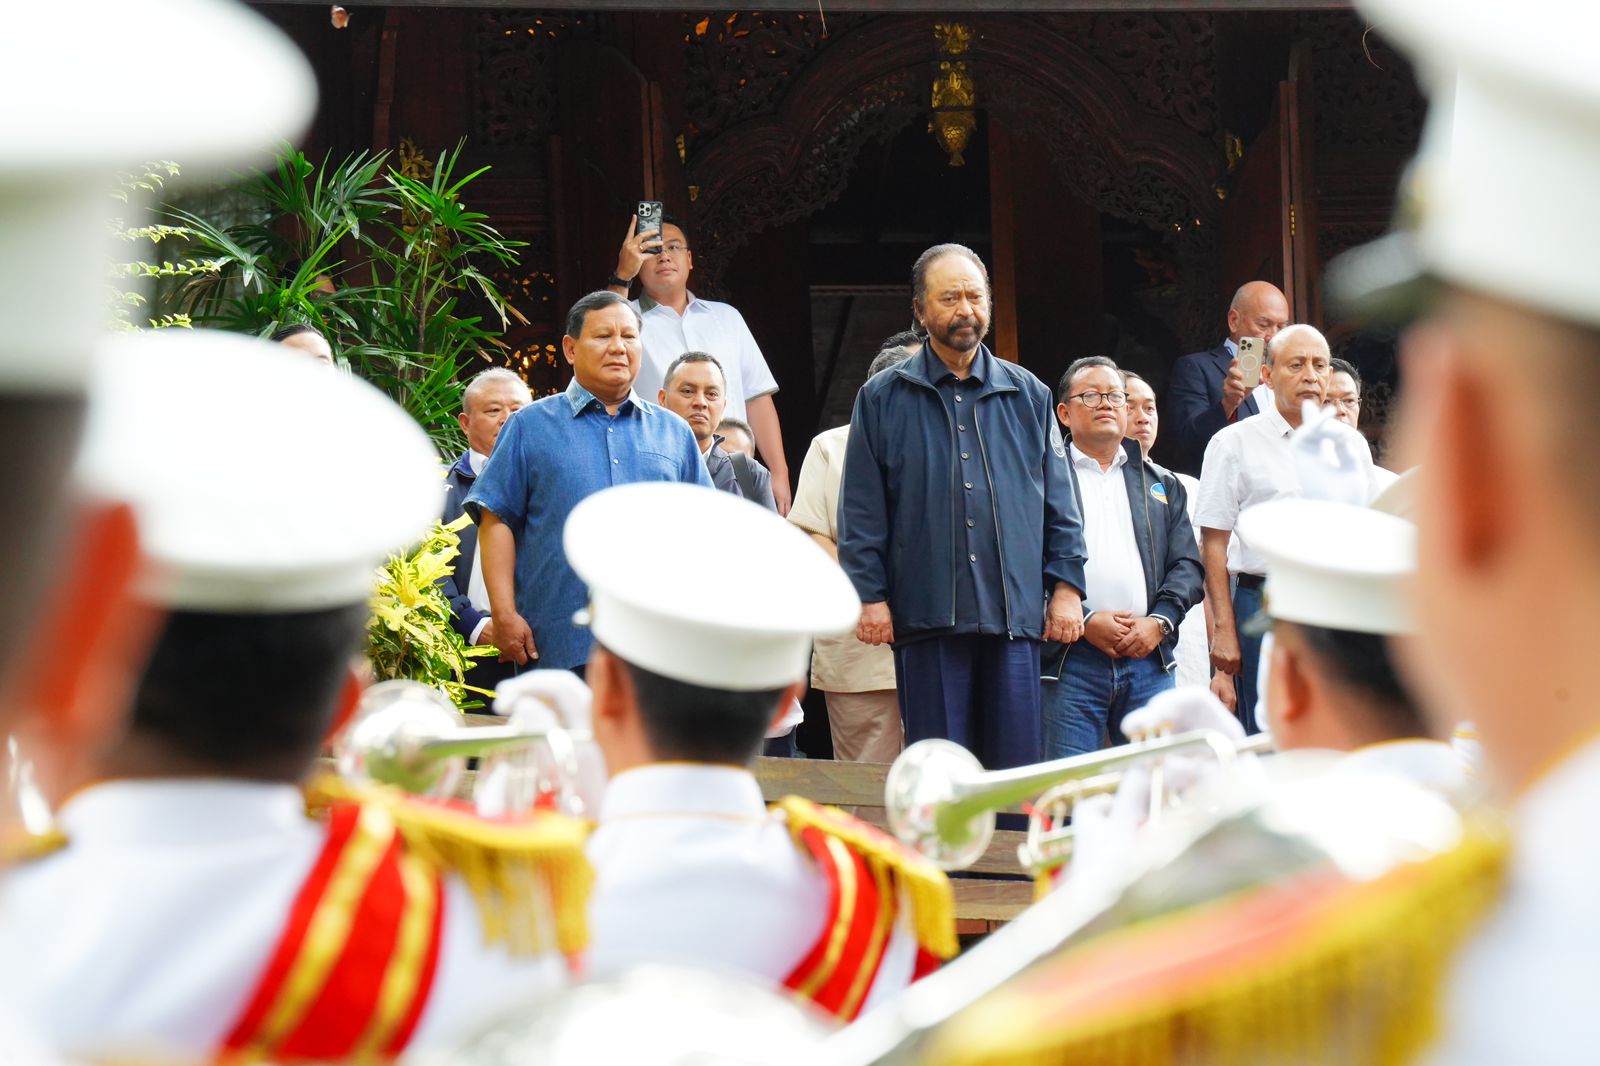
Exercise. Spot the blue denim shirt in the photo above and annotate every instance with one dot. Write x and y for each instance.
(552, 454)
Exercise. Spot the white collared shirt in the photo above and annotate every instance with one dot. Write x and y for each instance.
(1247, 463)
(704, 326)
(692, 869)
(145, 936)
(477, 588)
(1523, 988)
(1114, 571)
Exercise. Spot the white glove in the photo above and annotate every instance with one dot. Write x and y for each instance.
(1331, 459)
(1182, 710)
(1104, 829)
(545, 699)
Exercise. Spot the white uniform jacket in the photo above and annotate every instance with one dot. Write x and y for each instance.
(145, 936)
(1526, 986)
(691, 868)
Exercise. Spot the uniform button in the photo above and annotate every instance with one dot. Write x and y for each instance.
(610, 430)
(971, 557)
(614, 462)
(969, 485)
(962, 428)
(958, 399)
(965, 456)
(970, 523)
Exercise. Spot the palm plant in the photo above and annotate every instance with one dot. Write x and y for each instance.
(385, 260)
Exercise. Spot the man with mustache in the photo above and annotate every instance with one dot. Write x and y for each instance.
(553, 453)
(957, 523)
(1247, 463)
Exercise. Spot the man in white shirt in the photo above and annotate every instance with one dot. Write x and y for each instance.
(675, 321)
(1247, 463)
(1143, 571)
(691, 868)
(184, 911)
(490, 398)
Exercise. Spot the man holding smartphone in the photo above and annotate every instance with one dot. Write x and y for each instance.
(677, 321)
(1209, 390)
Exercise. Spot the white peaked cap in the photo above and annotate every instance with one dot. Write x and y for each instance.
(96, 87)
(1399, 497)
(704, 587)
(1334, 565)
(1504, 183)
(262, 482)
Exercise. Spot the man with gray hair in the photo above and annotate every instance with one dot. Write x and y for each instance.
(1248, 463)
(857, 679)
(490, 398)
(554, 453)
(958, 524)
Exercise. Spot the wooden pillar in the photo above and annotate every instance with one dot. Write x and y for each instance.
(1003, 239)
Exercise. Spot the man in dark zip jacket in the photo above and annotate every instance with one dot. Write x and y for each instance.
(1143, 573)
(957, 523)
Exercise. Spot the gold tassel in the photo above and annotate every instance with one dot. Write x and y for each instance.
(525, 876)
(1360, 980)
(932, 900)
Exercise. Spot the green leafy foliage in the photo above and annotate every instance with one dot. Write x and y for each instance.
(386, 260)
(126, 299)
(409, 634)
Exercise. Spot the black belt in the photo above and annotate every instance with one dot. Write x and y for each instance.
(1251, 581)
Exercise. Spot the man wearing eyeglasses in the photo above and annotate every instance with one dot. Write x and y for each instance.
(677, 321)
(1247, 463)
(1143, 569)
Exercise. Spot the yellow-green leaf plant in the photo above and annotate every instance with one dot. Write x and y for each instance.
(410, 635)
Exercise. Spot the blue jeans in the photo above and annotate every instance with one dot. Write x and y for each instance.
(1093, 695)
(1246, 603)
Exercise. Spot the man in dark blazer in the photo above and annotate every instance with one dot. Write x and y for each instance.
(490, 398)
(1207, 389)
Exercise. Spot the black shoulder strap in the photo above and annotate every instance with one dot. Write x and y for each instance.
(743, 474)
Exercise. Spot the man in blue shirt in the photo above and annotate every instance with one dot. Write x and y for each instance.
(550, 455)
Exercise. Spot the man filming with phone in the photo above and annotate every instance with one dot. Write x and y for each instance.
(1212, 389)
(657, 252)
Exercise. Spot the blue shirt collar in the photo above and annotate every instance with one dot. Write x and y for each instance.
(934, 370)
(581, 398)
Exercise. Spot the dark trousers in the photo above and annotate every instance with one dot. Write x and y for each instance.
(1246, 604)
(980, 691)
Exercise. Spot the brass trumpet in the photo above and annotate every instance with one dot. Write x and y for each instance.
(411, 736)
(941, 801)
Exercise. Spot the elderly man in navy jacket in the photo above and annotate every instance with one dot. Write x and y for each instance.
(1207, 390)
(490, 398)
(958, 524)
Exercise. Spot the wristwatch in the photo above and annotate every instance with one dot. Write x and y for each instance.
(614, 280)
(1166, 626)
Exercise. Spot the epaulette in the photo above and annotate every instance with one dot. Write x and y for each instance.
(523, 872)
(1313, 968)
(24, 846)
(925, 886)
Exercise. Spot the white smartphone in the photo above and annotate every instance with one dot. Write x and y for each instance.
(1249, 360)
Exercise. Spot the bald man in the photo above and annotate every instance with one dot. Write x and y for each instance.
(1208, 390)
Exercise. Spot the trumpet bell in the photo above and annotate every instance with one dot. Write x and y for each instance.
(916, 799)
(387, 740)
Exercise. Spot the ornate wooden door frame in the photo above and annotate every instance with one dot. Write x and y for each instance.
(1064, 79)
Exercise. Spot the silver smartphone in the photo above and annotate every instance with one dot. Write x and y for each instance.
(1249, 359)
